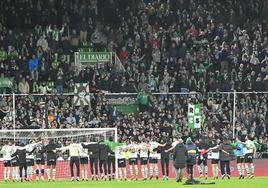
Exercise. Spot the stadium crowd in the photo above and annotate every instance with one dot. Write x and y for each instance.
(164, 46)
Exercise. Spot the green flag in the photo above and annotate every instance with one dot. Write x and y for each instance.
(81, 94)
(194, 116)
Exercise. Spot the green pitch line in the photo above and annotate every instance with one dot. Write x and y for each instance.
(258, 182)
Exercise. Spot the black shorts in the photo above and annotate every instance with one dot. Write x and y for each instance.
(7, 163)
(14, 163)
(200, 161)
(144, 160)
(84, 160)
(30, 162)
(153, 160)
(214, 161)
(240, 159)
(52, 162)
(133, 161)
(121, 163)
(40, 161)
(249, 158)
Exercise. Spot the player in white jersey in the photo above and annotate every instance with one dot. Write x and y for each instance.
(144, 151)
(15, 164)
(153, 159)
(121, 161)
(6, 151)
(84, 163)
(30, 159)
(250, 153)
(133, 149)
(214, 155)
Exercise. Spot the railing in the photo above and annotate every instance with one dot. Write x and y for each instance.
(238, 101)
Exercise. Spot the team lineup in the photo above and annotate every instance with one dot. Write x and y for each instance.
(38, 159)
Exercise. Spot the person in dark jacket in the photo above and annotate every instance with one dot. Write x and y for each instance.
(225, 150)
(165, 158)
(51, 151)
(191, 157)
(179, 157)
(93, 150)
(21, 155)
(103, 149)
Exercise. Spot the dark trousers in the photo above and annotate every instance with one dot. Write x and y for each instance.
(111, 162)
(225, 164)
(190, 170)
(76, 161)
(23, 166)
(165, 163)
(103, 166)
(94, 165)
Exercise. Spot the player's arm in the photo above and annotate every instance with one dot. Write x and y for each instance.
(225, 152)
(170, 149)
(161, 145)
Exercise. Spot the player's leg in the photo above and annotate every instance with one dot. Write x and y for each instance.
(151, 168)
(131, 168)
(167, 168)
(228, 170)
(105, 169)
(91, 168)
(21, 171)
(101, 169)
(163, 168)
(72, 168)
(113, 165)
(136, 168)
(96, 168)
(43, 170)
(77, 164)
(252, 166)
(199, 167)
(222, 164)
(37, 170)
(205, 167)
(54, 171)
(48, 170)
(25, 171)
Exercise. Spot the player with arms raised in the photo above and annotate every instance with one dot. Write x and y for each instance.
(250, 153)
(133, 149)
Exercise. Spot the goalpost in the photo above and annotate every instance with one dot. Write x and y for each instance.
(61, 137)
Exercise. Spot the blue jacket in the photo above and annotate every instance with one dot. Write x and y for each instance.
(33, 64)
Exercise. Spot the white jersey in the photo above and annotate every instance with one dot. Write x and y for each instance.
(7, 151)
(133, 150)
(30, 148)
(120, 152)
(84, 151)
(249, 146)
(144, 150)
(153, 154)
(214, 154)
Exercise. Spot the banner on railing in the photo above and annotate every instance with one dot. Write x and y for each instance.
(125, 104)
(81, 94)
(92, 58)
(194, 116)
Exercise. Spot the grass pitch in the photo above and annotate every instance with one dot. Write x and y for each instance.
(257, 182)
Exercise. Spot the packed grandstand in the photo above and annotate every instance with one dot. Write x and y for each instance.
(172, 52)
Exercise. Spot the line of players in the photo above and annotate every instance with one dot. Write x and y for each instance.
(101, 156)
(23, 159)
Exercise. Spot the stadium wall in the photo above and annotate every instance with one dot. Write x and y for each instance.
(63, 169)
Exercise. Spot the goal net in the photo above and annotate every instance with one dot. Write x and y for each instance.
(61, 137)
